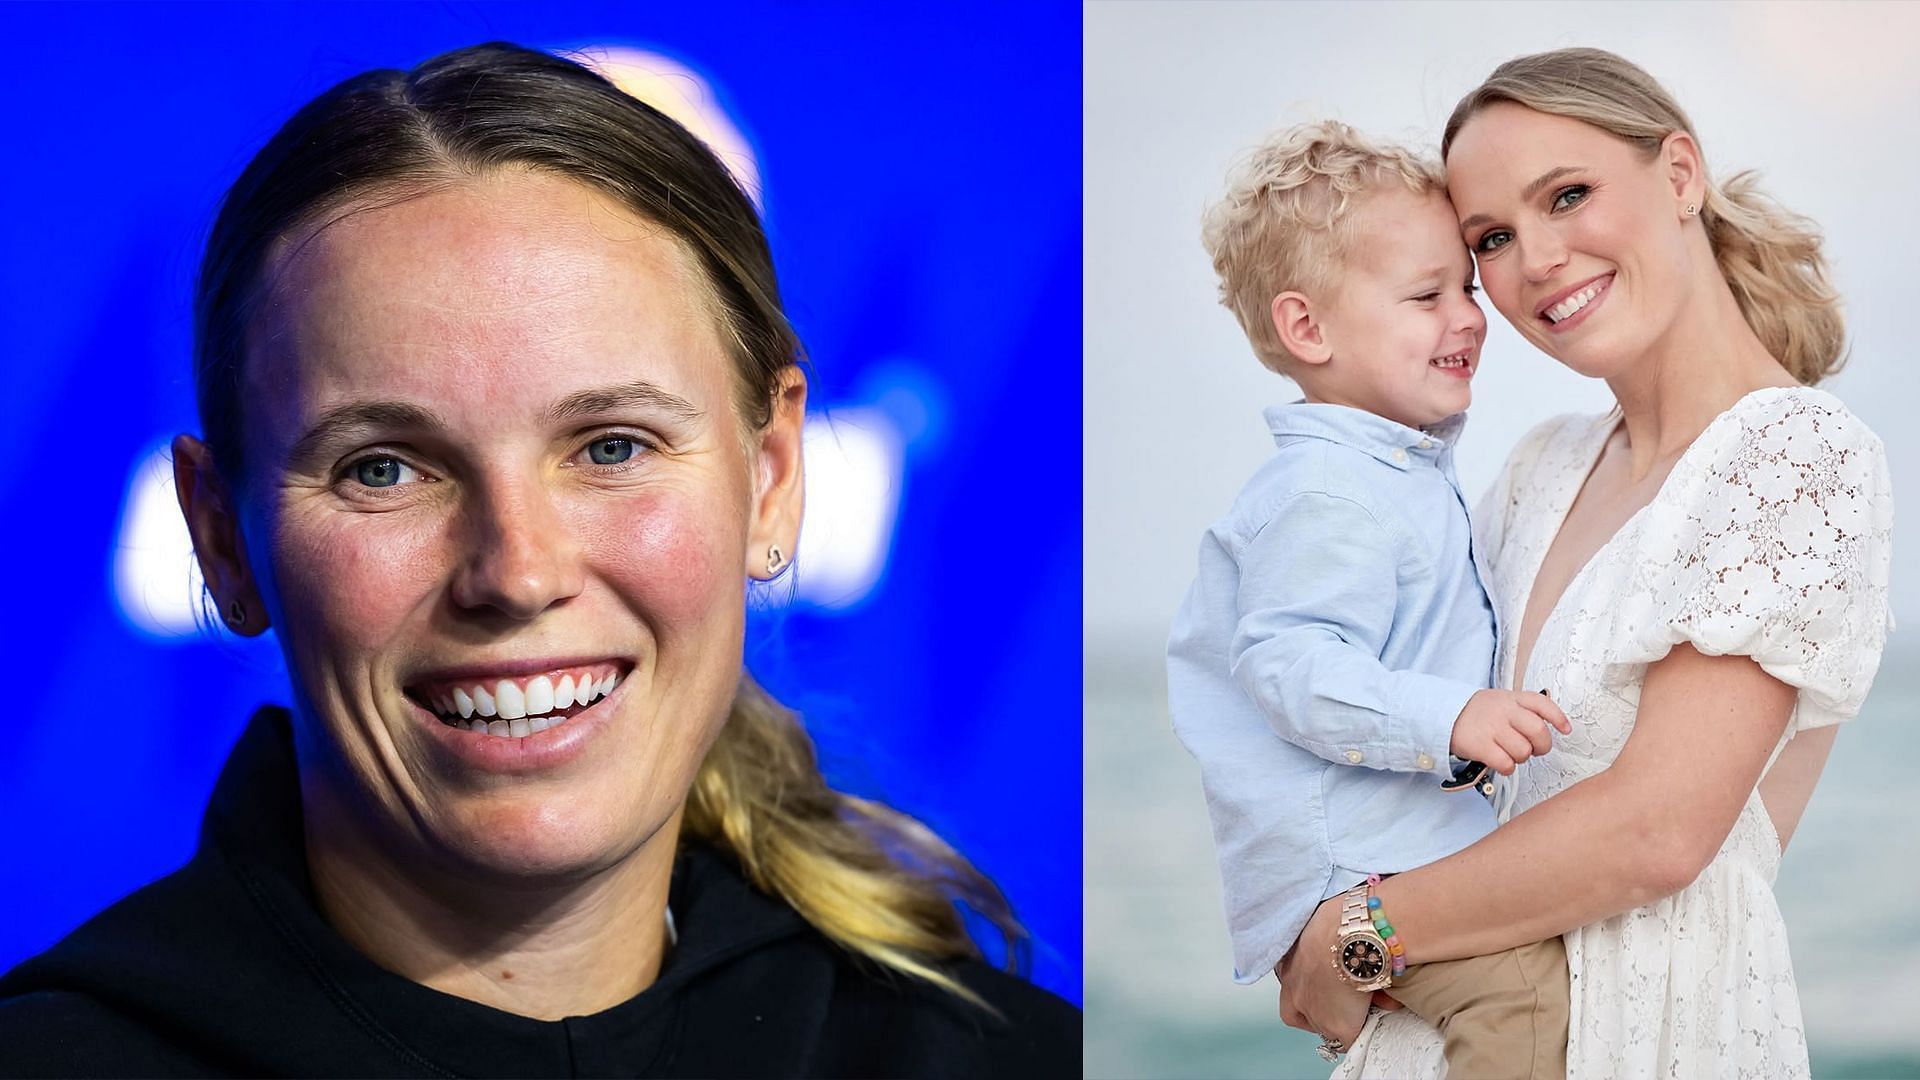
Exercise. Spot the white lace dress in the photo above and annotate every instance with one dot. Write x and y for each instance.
(1771, 538)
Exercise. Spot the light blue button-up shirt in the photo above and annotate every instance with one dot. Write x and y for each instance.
(1336, 627)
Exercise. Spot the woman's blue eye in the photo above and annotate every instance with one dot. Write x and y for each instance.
(378, 472)
(614, 451)
(1569, 196)
(1492, 241)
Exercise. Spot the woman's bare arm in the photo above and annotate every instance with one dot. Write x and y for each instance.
(1641, 830)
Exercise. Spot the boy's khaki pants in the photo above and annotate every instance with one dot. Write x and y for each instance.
(1503, 1015)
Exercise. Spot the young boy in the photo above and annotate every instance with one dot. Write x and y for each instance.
(1336, 648)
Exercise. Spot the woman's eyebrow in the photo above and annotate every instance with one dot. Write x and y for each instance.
(640, 393)
(1527, 193)
(362, 414)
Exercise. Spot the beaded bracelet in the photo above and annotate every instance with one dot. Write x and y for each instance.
(1385, 929)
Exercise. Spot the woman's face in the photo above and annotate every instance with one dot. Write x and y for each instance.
(495, 458)
(1577, 233)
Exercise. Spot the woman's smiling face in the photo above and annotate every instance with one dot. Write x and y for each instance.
(1578, 234)
(494, 450)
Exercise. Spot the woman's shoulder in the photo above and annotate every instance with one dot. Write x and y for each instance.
(51, 1032)
(1778, 415)
(1561, 435)
(1784, 445)
(898, 1025)
(1555, 446)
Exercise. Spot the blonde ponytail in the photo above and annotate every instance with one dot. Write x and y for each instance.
(1770, 257)
(870, 878)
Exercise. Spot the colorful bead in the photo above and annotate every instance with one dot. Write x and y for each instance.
(1373, 902)
(1393, 943)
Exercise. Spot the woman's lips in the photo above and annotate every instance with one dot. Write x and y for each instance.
(563, 742)
(1594, 290)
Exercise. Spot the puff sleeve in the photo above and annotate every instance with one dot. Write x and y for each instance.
(1778, 547)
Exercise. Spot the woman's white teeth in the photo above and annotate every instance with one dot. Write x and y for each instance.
(516, 712)
(539, 696)
(512, 703)
(1566, 308)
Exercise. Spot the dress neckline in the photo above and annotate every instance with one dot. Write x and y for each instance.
(1605, 425)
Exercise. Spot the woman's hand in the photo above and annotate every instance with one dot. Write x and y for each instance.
(1313, 996)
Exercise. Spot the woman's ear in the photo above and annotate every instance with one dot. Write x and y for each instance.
(1685, 172)
(1301, 332)
(779, 489)
(217, 543)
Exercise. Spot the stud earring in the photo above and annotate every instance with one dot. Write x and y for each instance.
(236, 614)
(775, 560)
(1692, 209)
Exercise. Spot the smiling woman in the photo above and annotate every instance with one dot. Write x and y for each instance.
(501, 414)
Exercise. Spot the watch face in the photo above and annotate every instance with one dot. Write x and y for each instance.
(1363, 960)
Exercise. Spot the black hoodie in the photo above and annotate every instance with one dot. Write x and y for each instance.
(226, 968)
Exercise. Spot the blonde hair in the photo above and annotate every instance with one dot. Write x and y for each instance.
(1285, 222)
(872, 879)
(1770, 256)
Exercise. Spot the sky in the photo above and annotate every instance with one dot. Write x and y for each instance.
(1814, 96)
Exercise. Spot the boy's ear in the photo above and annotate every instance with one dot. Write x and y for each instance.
(1299, 327)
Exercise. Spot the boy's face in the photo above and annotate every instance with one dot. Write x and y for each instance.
(1402, 326)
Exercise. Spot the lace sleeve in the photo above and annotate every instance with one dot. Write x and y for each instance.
(1778, 547)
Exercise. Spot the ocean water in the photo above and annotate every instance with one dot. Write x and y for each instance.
(1160, 999)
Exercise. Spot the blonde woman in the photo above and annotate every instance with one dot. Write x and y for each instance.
(500, 416)
(1699, 577)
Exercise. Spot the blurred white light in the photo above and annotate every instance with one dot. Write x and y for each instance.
(684, 96)
(155, 577)
(853, 471)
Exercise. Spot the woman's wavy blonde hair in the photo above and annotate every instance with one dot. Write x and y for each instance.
(1771, 257)
(870, 878)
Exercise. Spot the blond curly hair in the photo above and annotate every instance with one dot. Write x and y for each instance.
(1286, 221)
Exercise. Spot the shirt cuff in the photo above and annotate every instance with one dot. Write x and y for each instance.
(1425, 707)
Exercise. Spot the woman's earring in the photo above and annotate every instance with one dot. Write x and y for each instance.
(1692, 209)
(236, 614)
(775, 560)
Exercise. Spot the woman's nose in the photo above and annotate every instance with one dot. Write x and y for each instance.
(1542, 254)
(519, 557)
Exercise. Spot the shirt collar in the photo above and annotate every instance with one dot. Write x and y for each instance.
(1390, 442)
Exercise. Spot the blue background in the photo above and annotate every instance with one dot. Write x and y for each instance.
(922, 191)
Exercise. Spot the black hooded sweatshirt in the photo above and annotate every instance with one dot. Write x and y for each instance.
(226, 968)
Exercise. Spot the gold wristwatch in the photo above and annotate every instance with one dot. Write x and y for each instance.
(1359, 954)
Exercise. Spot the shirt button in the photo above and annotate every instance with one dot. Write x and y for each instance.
(1400, 456)
(1425, 761)
(1355, 756)
(1426, 444)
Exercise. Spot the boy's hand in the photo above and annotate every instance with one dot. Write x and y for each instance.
(1503, 728)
